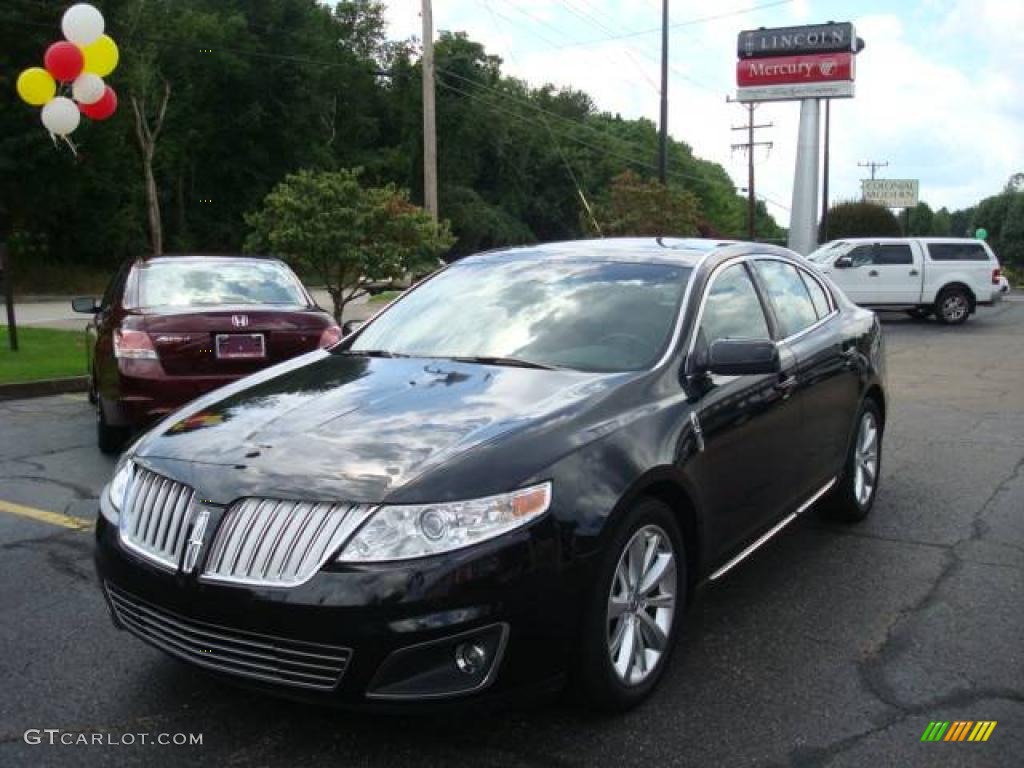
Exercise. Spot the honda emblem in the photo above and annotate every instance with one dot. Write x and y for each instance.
(240, 321)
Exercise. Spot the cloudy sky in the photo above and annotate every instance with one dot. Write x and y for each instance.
(940, 85)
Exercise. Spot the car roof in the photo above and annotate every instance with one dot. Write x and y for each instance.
(659, 250)
(899, 238)
(198, 257)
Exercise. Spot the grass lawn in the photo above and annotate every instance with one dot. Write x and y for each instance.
(384, 297)
(42, 353)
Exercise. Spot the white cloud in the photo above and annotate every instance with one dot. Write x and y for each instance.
(938, 93)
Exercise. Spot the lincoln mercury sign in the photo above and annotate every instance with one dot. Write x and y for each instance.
(892, 193)
(783, 41)
(793, 63)
(819, 67)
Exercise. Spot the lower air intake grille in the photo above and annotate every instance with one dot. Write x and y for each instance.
(279, 543)
(245, 654)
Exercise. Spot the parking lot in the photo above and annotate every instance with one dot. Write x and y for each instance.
(833, 646)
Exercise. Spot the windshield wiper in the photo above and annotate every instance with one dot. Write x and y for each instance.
(372, 353)
(512, 362)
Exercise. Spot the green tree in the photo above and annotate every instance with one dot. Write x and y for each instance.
(919, 220)
(942, 223)
(856, 218)
(1012, 246)
(636, 206)
(327, 224)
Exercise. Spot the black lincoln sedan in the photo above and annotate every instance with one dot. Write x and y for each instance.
(516, 474)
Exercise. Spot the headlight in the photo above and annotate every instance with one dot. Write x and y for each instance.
(119, 484)
(406, 532)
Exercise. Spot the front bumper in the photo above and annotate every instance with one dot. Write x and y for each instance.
(367, 625)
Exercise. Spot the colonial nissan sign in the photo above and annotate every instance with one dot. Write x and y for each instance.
(892, 193)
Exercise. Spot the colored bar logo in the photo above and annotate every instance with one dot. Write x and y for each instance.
(959, 730)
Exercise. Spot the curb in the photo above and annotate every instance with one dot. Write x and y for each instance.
(24, 389)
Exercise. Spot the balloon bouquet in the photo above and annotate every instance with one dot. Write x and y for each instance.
(82, 60)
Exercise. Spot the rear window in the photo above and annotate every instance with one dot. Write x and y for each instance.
(957, 252)
(211, 283)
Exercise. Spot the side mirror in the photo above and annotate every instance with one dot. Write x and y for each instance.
(351, 327)
(843, 262)
(85, 304)
(743, 357)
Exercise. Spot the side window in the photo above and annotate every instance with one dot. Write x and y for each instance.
(793, 306)
(967, 251)
(818, 297)
(733, 310)
(893, 253)
(116, 285)
(862, 255)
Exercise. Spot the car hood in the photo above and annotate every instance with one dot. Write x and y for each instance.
(362, 429)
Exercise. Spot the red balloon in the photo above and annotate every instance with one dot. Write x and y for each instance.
(64, 61)
(103, 108)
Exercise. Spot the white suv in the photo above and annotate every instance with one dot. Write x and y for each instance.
(947, 276)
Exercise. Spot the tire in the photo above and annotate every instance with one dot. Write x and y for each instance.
(854, 497)
(953, 306)
(109, 438)
(614, 610)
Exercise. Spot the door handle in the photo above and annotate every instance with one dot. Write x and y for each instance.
(786, 386)
(873, 273)
(914, 273)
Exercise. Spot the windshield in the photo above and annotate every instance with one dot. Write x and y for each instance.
(589, 316)
(209, 283)
(827, 250)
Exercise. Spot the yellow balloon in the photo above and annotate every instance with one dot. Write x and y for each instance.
(36, 87)
(101, 56)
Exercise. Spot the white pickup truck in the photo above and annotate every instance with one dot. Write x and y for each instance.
(945, 276)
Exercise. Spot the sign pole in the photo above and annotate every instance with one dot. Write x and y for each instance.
(8, 273)
(804, 213)
(824, 176)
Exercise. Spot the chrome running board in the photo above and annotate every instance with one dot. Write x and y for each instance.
(772, 531)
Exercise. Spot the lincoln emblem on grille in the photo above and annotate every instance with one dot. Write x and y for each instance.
(240, 321)
(195, 542)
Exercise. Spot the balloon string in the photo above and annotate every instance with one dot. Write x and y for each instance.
(71, 146)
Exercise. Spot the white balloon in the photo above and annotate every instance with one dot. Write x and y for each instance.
(88, 88)
(82, 24)
(61, 116)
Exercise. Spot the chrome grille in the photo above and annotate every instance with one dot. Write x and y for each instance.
(279, 543)
(156, 517)
(224, 649)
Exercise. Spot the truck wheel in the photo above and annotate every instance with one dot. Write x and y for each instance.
(953, 306)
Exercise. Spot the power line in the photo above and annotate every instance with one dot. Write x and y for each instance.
(679, 24)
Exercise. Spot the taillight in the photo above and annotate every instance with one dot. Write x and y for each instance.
(996, 274)
(330, 336)
(133, 345)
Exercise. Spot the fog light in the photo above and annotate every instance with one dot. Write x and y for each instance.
(470, 658)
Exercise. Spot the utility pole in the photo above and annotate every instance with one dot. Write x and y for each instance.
(429, 114)
(824, 175)
(748, 146)
(663, 138)
(873, 166)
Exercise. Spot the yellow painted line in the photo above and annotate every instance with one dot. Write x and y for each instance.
(43, 516)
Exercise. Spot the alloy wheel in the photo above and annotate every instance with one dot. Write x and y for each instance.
(954, 307)
(641, 605)
(865, 457)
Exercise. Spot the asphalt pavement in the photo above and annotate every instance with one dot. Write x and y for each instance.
(832, 646)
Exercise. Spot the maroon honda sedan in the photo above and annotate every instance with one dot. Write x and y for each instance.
(171, 328)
